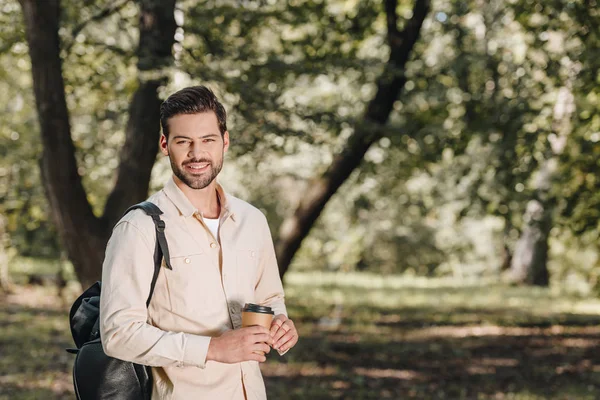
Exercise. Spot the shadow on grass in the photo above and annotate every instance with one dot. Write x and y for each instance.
(526, 357)
(10, 392)
(454, 350)
(33, 360)
(415, 318)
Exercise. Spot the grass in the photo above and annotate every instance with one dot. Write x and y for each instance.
(365, 336)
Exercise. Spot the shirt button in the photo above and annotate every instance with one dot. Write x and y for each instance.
(251, 254)
(187, 260)
(213, 245)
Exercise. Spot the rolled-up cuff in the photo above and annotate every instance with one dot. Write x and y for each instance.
(196, 349)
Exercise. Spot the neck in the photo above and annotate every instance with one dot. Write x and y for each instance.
(205, 200)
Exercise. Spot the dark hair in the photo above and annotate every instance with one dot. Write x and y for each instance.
(192, 100)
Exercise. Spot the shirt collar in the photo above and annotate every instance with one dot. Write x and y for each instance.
(185, 206)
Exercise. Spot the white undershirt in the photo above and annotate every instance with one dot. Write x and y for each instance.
(213, 225)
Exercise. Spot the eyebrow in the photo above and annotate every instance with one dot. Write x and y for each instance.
(210, 135)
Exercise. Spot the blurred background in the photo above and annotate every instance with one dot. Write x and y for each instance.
(429, 170)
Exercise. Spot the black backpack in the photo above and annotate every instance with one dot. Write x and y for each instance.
(96, 375)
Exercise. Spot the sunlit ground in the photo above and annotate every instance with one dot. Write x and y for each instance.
(365, 336)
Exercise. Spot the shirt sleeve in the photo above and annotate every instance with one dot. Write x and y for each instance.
(126, 277)
(269, 290)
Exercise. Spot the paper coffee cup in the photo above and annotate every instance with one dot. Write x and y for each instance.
(253, 314)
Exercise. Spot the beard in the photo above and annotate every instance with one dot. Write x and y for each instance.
(197, 181)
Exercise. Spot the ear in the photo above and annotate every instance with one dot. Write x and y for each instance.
(163, 145)
(225, 141)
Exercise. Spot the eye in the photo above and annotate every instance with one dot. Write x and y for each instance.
(209, 140)
(182, 141)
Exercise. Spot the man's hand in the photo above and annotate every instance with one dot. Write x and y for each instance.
(245, 344)
(284, 333)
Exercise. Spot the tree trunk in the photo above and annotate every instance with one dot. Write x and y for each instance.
(82, 233)
(506, 255)
(5, 282)
(530, 260)
(138, 154)
(78, 227)
(529, 263)
(295, 228)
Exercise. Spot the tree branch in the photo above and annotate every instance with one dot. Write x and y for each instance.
(108, 11)
(372, 127)
(392, 22)
(115, 49)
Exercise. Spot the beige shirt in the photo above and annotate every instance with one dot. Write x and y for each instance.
(211, 280)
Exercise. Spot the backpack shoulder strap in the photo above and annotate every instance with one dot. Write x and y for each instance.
(161, 249)
(148, 207)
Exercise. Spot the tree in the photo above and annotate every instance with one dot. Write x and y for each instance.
(83, 234)
(368, 131)
(28, 228)
(572, 25)
(517, 125)
(265, 52)
(529, 263)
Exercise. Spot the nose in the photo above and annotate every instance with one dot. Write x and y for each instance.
(196, 151)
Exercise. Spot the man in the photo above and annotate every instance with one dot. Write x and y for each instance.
(222, 257)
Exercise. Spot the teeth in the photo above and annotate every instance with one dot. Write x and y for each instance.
(198, 166)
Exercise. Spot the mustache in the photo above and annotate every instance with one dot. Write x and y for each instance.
(198, 160)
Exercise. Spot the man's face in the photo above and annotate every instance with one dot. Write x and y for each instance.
(195, 148)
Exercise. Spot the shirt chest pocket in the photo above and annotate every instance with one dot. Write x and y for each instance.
(193, 285)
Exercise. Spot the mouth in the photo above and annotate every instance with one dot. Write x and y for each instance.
(197, 168)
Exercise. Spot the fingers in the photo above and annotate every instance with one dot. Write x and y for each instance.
(259, 352)
(282, 336)
(261, 348)
(255, 329)
(262, 337)
(257, 357)
(277, 322)
(279, 334)
(287, 341)
(286, 337)
(286, 326)
(257, 334)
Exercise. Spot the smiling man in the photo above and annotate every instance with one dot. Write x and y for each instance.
(222, 257)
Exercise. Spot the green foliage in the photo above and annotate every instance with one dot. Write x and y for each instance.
(22, 199)
(99, 74)
(100, 78)
(443, 193)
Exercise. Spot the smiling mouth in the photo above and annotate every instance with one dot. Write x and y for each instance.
(197, 167)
